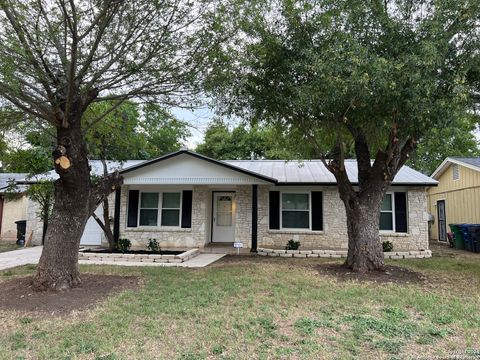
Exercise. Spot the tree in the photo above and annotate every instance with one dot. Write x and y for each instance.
(373, 76)
(58, 58)
(247, 140)
(125, 134)
(443, 142)
(42, 193)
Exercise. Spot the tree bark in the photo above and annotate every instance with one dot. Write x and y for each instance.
(363, 202)
(58, 265)
(365, 251)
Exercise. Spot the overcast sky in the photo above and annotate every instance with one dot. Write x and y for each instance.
(198, 119)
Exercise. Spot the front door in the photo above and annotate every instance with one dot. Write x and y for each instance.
(223, 217)
(442, 221)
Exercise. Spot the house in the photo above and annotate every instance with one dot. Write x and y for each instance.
(13, 207)
(456, 199)
(187, 200)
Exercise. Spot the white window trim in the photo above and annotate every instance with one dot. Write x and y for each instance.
(394, 230)
(309, 193)
(159, 210)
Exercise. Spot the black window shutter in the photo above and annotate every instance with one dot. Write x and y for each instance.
(274, 212)
(401, 212)
(317, 211)
(133, 208)
(187, 208)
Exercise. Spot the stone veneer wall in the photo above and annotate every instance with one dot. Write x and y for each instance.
(334, 235)
(199, 234)
(172, 237)
(243, 225)
(34, 223)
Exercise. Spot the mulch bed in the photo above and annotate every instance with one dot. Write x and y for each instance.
(17, 294)
(391, 274)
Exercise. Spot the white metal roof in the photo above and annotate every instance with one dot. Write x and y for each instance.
(274, 171)
(96, 165)
(314, 171)
(6, 178)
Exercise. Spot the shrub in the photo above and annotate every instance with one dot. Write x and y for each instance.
(123, 245)
(153, 245)
(387, 246)
(292, 245)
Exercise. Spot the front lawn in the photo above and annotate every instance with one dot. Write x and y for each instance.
(8, 247)
(261, 308)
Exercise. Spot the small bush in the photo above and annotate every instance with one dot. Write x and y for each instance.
(153, 245)
(387, 246)
(292, 245)
(123, 245)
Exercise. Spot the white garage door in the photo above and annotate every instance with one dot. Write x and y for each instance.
(92, 235)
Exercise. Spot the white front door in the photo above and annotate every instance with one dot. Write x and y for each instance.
(223, 217)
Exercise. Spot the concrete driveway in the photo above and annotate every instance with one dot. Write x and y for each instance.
(11, 259)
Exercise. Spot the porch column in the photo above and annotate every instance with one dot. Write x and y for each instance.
(116, 214)
(254, 217)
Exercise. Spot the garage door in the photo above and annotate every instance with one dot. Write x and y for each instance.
(93, 233)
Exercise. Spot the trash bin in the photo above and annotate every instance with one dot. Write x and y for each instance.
(458, 236)
(467, 237)
(474, 232)
(21, 230)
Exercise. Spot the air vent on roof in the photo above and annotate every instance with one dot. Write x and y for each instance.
(455, 172)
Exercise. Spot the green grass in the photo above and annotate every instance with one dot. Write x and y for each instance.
(8, 247)
(272, 309)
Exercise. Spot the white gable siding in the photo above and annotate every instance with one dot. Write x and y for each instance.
(186, 169)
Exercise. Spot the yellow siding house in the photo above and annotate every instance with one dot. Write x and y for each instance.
(456, 199)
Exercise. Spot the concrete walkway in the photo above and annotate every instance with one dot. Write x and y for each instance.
(198, 261)
(11, 259)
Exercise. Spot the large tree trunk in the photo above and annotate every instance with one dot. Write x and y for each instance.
(58, 266)
(362, 201)
(365, 252)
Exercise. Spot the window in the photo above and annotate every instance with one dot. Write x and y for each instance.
(386, 213)
(455, 172)
(148, 209)
(171, 209)
(295, 211)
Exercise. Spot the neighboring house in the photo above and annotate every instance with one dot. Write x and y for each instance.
(456, 199)
(187, 200)
(12, 208)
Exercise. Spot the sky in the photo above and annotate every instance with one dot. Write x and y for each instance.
(198, 120)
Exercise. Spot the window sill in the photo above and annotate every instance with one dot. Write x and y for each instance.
(157, 229)
(299, 231)
(393, 234)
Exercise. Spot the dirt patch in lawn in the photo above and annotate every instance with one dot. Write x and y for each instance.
(391, 274)
(17, 294)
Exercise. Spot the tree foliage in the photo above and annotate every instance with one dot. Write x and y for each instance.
(58, 59)
(370, 76)
(443, 142)
(245, 141)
